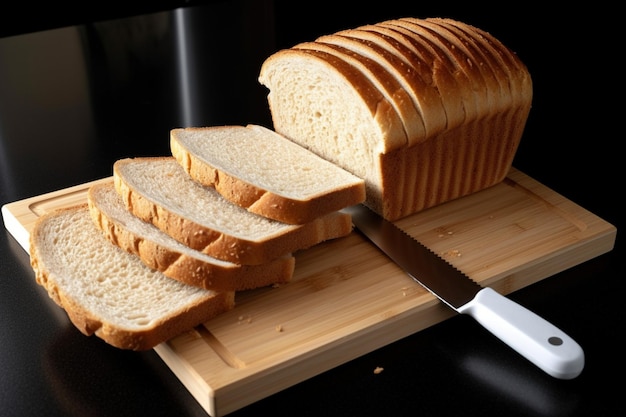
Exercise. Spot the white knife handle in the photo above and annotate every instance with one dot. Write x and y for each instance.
(533, 337)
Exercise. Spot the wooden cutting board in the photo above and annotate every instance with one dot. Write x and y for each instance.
(348, 299)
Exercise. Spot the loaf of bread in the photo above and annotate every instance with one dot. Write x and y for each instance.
(159, 191)
(161, 252)
(424, 110)
(258, 169)
(109, 292)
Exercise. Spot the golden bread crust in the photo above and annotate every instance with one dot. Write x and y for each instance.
(175, 264)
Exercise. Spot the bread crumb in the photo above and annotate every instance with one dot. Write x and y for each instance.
(279, 328)
(451, 252)
(241, 319)
(378, 370)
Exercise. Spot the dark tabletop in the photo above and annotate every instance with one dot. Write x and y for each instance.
(80, 91)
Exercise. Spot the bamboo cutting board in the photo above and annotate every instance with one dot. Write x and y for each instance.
(347, 299)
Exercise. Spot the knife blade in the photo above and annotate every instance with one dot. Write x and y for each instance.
(530, 335)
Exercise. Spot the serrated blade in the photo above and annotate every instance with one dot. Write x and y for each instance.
(439, 277)
(530, 335)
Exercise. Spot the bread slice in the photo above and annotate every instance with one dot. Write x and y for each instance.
(457, 57)
(371, 123)
(262, 171)
(470, 59)
(497, 76)
(161, 252)
(452, 83)
(109, 292)
(425, 96)
(386, 82)
(159, 191)
(440, 78)
(518, 77)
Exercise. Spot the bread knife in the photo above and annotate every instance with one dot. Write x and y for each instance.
(533, 337)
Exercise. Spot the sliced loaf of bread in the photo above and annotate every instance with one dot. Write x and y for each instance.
(159, 191)
(109, 292)
(160, 251)
(262, 171)
(474, 96)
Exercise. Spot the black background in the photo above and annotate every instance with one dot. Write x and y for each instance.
(58, 130)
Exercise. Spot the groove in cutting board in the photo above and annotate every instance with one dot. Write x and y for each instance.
(347, 299)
